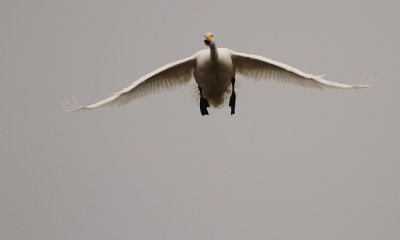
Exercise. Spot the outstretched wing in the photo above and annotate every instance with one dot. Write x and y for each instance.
(263, 68)
(166, 77)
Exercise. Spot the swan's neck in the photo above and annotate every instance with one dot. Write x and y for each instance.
(214, 51)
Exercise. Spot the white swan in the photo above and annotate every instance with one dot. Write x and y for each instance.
(214, 71)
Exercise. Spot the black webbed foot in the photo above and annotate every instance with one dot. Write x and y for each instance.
(204, 104)
(232, 100)
(232, 103)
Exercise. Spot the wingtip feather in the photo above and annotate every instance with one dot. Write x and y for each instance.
(75, 106)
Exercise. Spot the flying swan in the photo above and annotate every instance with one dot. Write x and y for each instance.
(214, 71)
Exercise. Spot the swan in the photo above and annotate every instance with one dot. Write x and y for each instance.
(214, 71)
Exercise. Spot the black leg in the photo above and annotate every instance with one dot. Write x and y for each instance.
(232, 100)
(203, 103)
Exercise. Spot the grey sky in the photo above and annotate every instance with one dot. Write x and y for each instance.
(293, 163)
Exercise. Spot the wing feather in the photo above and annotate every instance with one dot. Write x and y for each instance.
(164, 78)
(259, 68)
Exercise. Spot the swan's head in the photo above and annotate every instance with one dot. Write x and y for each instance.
(208, 38)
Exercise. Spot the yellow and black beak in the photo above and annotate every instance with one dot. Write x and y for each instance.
(207, 39)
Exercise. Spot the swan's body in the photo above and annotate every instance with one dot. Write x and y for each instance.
(214, 71)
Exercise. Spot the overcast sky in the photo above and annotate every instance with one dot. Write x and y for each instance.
(293, 163)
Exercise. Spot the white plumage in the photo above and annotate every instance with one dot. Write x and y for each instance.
(214, 71)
